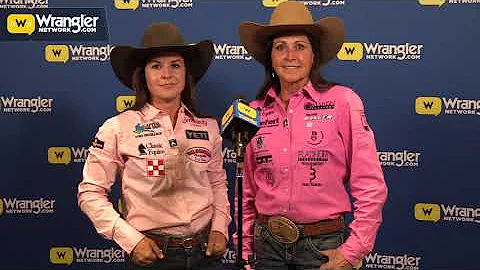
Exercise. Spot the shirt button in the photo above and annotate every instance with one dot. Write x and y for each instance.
(285, 149)
(284, 210)
(285, 169)
(290, 111)
(286, 190)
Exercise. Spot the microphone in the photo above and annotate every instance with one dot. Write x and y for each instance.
(240, 122)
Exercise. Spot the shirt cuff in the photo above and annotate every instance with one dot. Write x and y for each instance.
(126, 236)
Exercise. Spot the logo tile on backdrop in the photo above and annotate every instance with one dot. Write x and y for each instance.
(319, 3)
(86, 255)
(34, 105)
(122, 103)
(55, 24)
(441, 3)
(434, 212)
(67, 155)
(62, 53)
(356, 51)
(23, 4)
(152, 4)
(447, 105)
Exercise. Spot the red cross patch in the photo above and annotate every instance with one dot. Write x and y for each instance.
(155, 167)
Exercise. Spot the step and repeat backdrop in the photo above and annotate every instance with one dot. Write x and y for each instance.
(415, 63)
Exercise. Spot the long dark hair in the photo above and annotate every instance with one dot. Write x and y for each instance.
(142, 95)
(271, 78)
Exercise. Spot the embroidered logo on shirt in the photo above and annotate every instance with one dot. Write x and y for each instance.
(172, 142)
(327, 105)
(196, 134)
(259, 141)
(267, 112)
(263, 159)
(97, 143)
(199, 154)
(312, 156)
(312, 177)
(364, 121)
(150, 149)
(146, 130)
(155, 167)
(316, 117)
(195, 122)
(316, 137)
(270, 122)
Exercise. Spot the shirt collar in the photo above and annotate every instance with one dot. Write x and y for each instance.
(149, 111)
(308, 90)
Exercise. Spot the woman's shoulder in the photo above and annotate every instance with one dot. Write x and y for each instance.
(344, 94)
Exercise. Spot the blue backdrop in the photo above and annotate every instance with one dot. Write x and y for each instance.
(414, 63)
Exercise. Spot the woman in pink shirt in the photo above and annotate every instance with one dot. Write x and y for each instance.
(168, 160)
(314, 148)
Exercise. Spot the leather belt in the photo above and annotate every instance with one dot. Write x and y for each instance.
(287, 231)
(179, 242)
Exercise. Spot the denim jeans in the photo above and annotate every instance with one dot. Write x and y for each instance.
(185, 259)
(301, 255)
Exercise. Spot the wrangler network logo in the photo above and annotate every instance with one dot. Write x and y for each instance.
(432, 212)
(67, 155)
(16, 206)
(152, 4)
(440, 3)
(399, 262)
(231, 52)
(22, 4)
(56, 24)
(69, 255)
(124, 102)
(356, 51)
(12, 104)
(452, 106)
(323, 3)
(403, 158)
(64, 53)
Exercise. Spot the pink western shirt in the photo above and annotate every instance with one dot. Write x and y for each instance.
(301, 160)
(172, 180)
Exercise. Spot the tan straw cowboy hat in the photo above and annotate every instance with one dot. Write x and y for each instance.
(157, 38)
(293, 16)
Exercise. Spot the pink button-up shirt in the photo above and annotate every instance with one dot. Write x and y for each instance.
(301, 160)
(172, 180)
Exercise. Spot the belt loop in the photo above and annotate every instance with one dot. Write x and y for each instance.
(165, 245)
(188, 258)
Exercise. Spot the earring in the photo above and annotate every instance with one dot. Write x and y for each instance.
(273, 74)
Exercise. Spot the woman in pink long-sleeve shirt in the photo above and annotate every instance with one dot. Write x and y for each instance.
(314, 142)
(168, 158)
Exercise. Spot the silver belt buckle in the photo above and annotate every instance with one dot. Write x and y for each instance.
(283, 229)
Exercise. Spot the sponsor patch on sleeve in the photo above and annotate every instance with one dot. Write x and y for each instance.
(97, 143)
(364, 121)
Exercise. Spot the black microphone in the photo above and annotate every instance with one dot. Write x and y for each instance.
(240, 122)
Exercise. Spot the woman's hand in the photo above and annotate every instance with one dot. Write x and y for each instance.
(146, 252)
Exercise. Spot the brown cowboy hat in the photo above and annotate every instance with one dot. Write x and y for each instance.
(158, 38)
(293, 16)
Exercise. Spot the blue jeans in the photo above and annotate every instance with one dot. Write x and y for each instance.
(301, 255)
(185, 259)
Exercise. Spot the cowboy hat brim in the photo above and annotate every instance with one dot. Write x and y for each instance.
(125, 59)
(329, 32)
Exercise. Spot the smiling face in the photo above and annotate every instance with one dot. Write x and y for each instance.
(165, 77)
(292, 59)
